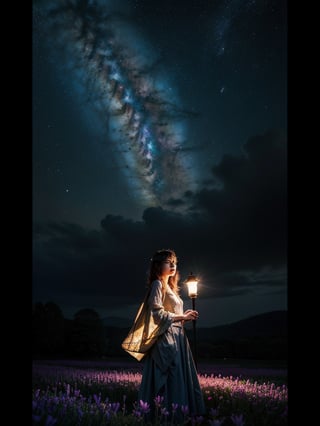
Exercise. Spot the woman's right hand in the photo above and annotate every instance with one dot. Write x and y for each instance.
(189, 315)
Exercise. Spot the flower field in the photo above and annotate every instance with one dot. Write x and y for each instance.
(83, 395)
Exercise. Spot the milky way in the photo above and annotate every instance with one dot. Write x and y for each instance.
(119, 72)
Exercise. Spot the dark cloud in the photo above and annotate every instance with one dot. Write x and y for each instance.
(234, 238)
(248, 209)
(175, 202)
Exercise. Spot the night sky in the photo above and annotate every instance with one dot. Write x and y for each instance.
(160, 124)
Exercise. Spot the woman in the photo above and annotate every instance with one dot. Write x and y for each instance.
(169, 371)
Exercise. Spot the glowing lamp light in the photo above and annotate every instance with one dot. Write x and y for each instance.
(192, 284)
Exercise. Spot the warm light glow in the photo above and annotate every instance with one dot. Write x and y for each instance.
(192, 288)
(192, 284)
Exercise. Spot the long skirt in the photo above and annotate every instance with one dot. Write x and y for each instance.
(170, 376)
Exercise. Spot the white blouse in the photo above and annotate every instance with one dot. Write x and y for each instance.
(165, 308)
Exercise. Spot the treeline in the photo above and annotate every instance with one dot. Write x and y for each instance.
(85, 336)
(55, 336)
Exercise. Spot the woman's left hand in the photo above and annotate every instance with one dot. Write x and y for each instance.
(191, 315)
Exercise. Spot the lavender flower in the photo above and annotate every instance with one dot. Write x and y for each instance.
(237, 420)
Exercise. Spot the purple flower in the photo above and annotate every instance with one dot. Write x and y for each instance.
(50, 421)
(97, 399)
(115, 407)
(136, 413)
(237, 420)
(197, 420)
(174, 407)
(215, 422)
(144, 407)
(185, 409)
(158, 400)
(214, 412)
(164, 412)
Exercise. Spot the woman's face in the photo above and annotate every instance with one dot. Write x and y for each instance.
(169, 267)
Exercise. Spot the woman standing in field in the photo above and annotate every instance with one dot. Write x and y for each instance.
(169, 371)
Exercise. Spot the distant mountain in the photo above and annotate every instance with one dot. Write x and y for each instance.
(261, 336)
(269, 324)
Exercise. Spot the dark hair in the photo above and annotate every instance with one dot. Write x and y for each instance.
(156, 266)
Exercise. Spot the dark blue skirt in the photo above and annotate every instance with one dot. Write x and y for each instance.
(169, 372)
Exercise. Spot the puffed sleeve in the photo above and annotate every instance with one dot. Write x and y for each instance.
(159, 314)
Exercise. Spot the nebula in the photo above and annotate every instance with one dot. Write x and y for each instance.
(125, 82)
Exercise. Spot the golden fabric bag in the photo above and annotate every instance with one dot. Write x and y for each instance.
(143, 333)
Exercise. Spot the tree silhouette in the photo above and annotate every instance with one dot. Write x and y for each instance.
(87, 337)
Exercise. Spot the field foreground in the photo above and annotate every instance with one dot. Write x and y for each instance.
(101, 393)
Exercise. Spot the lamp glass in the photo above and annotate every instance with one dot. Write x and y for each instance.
(192, 288)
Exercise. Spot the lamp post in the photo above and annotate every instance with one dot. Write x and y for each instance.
(192, 284)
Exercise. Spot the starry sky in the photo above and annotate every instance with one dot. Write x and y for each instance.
(160, 124)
